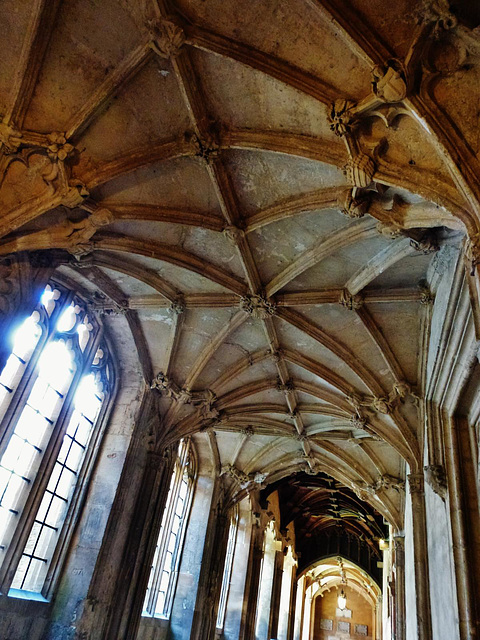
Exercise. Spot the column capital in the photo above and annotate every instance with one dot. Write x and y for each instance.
(416, 483)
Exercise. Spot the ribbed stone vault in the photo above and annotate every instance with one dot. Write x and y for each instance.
(258, 209)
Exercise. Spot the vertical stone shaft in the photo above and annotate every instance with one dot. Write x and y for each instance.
(420, 554)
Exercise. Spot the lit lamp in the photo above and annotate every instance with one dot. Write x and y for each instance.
(342, 600)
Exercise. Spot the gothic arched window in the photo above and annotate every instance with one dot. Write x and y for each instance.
(166, 560)
(54, 390)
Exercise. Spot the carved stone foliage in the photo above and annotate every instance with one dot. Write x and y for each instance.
(416, 483)
(340, 117)
(166, 38)
(257, 306)
(252, 480)
(351, 301)
(436, 477)
(203, 400)
(384, 404)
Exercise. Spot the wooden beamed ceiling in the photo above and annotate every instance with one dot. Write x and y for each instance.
(259, 194)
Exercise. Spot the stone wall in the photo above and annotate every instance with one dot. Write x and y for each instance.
(325, 608)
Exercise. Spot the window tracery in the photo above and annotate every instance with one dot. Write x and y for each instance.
(53, 389)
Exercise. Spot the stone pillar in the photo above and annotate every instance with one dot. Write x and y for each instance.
(465, 522)
(113, 606)
(307, 614)
(286, 603)
(378, 618)
(399, 569)
(420, 554)
(299, 608)
(210, 580)
(252, 583)
(262, 626)
(278, 576)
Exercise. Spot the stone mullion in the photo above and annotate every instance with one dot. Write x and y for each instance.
(420, 555)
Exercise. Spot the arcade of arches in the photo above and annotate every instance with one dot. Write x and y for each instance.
(262, 221)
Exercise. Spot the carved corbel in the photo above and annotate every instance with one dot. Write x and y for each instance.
(73, 236)
(166, 38)
(436, 477)
(105, 306)
(257, 306)
(357, 202)
(416, 483)
(424, 241)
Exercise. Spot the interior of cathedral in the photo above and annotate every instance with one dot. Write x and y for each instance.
(239, 320)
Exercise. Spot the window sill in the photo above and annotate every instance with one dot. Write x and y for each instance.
(26, 595)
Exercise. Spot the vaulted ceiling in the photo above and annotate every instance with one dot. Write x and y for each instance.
(258, 191)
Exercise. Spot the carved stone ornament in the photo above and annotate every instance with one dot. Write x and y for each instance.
(244, 480)
(340, 117)
(436, 477)
(390, 230)
(10, 138)
(472, 251)
(105, 306)
(234, 234)
(426, 244)
(167, 38)
(388, 82)
(351, 301)
(203, 400)
(10, 285)
(208, 148)
(58, 148)
(257, 306)
(357, 203)
(426, 295)
(288, 387)
(416, 483)
(360, 170)
(72, 236)
(177, 307)
(385, 404)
